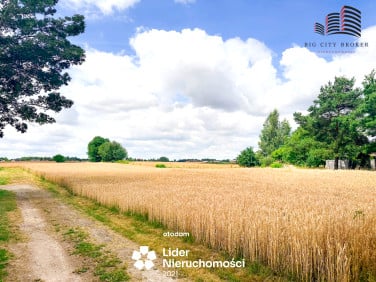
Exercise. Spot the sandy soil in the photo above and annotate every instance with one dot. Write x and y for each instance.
(44, 255)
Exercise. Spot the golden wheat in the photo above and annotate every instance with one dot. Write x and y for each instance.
(313, 224)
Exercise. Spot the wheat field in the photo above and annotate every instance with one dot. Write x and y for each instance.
(315, 225)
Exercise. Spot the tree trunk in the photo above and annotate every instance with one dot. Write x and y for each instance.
(336, 163)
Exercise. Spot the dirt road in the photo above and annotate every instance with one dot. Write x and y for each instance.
(44, 255)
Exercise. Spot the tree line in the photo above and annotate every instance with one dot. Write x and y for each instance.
(340, 124)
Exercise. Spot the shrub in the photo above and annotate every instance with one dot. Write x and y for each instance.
(160, 166)
(276, 165)
(59, 158)
(112, 151)
(247, 158)
(266, 161)
(317, 157)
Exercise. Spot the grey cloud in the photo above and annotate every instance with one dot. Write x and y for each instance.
(206, 87)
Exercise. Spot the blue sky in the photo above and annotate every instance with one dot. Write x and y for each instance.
(277, 23)
(194, 78)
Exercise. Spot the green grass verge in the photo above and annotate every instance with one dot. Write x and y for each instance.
(7, 204)
(4, 179)
(4, 258)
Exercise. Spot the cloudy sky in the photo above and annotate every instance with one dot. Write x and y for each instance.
(194, 78)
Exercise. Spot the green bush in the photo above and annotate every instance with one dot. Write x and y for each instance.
(276, 165)
(247, 158)
(112, 151)
(59, 158)
(160, 166)
(266, 161)
(317, 157)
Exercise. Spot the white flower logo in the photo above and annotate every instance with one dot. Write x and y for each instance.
(144, 263)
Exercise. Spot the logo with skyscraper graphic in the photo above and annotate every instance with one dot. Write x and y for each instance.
(347, 21)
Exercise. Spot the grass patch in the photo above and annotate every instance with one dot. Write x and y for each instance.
(115, 209)
(257, 268)
(4, 178)
(88, 249)
(105, 265)
(276, 165)
(160, 166)
(7, 204)
(4, 181)
(4, 258)
(10, 175)
(144, 219)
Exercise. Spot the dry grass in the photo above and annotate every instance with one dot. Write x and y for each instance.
(312, 224)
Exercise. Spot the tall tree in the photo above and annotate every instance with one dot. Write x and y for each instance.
(334, 119)
(34, 54)
(93, 148)
(368, 107)
(112, 151)
(283, 132)
(274, 133)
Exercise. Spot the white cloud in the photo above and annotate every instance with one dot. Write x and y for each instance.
(106, 7)
(185, 94)
(205, 69)
(185, 1)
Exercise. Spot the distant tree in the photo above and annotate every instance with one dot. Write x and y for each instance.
(334, 119)
(59, 158)
(163, 159)
(73, 159)
(273, 134)
(112, 151)
(34, 158)
(247, 158)
(93, 146)
(34, 52)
